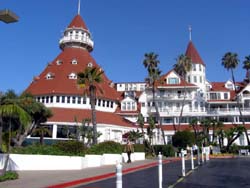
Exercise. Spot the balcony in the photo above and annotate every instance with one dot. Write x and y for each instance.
(76, 39)
(246, 96)
(228, 111)
(170, 97)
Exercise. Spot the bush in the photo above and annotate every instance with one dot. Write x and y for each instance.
(68, 148)
(72, 147)
(106, 147)
(139, 147)
(10, 175)
(166, 150)
(183, 138)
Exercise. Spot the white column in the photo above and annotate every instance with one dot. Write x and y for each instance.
(54, 131)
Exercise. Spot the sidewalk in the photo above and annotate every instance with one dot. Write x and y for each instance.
(63, 179)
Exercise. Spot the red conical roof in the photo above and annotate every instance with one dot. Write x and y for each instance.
(61, 84)
(192, 53)
(78, 22)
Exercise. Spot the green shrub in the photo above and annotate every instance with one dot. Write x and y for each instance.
(10, 175)
(36, 149)
(72, 147)
(139, 147)
(106, 147)
(68, 148)
(183, 138)
(166, 150)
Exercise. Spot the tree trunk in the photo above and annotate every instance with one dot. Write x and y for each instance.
(6, 162)
(1, 133)
(158, 118)
(182, 106)
(231, 141)
(93, 112)
(21, 137)
(41, 137)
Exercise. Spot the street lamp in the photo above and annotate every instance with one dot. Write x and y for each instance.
(7, 16)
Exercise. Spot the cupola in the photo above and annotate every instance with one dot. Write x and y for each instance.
(77, 35)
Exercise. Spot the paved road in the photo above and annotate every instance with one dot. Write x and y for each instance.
(217, 173)
(147, 178)
(220, 173)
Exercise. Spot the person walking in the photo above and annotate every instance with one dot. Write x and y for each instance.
(129, 148)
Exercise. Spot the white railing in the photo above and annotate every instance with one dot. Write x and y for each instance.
(246, 95)
(78, 39)
(228, 110)
(170, 97)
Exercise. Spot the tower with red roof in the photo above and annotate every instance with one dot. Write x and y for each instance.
(197, 75)
(57, 88)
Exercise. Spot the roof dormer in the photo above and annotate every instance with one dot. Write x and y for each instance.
(59, 62)
(74, 62)
(72, 76)
(172, 78)
(90, 64)
(50, 76)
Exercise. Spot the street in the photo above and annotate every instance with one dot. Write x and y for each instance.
(217, 173)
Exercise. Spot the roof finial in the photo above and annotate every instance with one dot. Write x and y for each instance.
(190, 32)
(79, 6)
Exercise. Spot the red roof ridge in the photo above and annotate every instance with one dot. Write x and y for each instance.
(78, 22)
(192, 53)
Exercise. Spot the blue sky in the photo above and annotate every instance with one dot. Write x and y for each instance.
(123, 31)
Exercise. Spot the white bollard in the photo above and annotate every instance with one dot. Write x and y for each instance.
(118, 175)
(207, 149)
(202, 155)
(160, 169)
(192, 159)
(198, 155)
(183, 163)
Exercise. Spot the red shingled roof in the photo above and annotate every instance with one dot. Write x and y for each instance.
(220, 87)
(162, 82)
(78, 22)
(61, 84)
(192, 53)
(69, 115)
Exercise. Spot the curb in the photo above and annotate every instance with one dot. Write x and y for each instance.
(108, 175)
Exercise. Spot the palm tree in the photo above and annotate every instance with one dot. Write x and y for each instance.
(230, 61)
(246, 65)
(9, 109)
(42, 130)
(88, 79)
(140, 122)
(182, 67)
(151, 63)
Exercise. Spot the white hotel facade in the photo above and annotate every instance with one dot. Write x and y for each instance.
(120, 103)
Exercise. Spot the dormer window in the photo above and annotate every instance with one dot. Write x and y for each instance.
(173, 81)
(90, 64)
(74, 62)
(72, 76)
(50, 76)
(59, 62)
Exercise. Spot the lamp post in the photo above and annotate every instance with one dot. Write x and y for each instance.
(8, 16)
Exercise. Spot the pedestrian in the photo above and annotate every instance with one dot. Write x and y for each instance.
(129, 148)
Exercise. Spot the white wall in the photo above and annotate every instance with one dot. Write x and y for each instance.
(20, 162)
